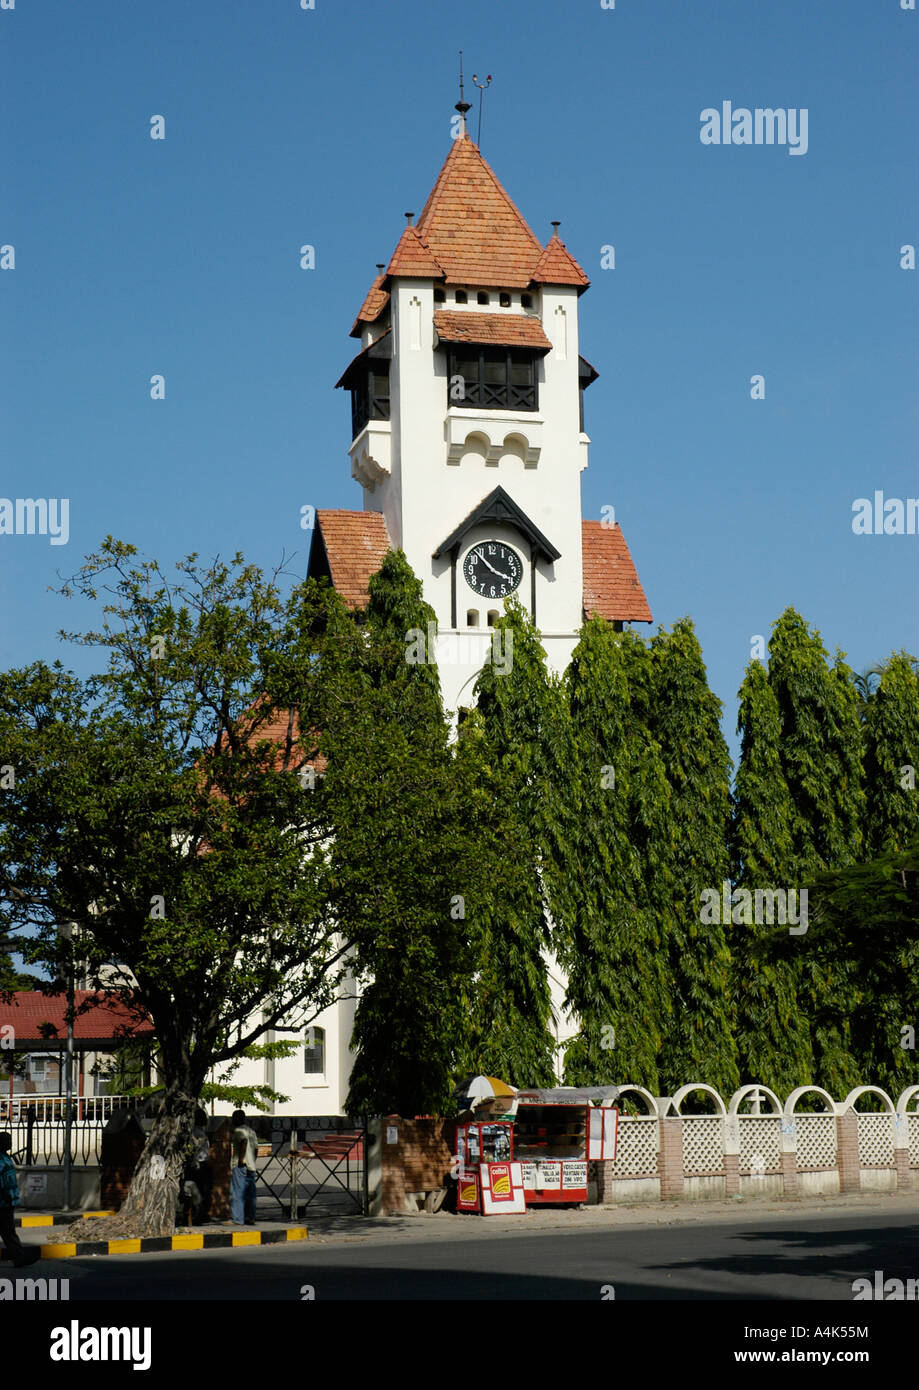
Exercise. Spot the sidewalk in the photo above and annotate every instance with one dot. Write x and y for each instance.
(328, 1230)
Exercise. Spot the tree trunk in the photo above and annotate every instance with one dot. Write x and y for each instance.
(150, 1206)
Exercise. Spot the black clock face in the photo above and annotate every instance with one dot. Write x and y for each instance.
(493, 569)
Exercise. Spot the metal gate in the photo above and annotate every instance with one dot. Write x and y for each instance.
(312, 1162)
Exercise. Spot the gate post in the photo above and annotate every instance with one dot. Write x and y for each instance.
(373, 1165)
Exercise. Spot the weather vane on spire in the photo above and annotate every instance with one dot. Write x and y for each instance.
(482, 86)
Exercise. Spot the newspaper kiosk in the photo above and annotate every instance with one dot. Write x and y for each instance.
(488, 1180)
(556, 1133)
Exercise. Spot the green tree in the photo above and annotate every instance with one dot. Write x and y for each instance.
(891, 734)
(799, 807)
(683, 716)
(403, 858)
(159, 811)
(510, 1008)
(609, 845)
(773, 1034)
(866, 931)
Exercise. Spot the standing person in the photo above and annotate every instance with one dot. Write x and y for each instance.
(201, 1174)
(9, 1198)
(242, 1173)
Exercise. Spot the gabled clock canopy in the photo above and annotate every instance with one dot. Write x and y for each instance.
(500, 507)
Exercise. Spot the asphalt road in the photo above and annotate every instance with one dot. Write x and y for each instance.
(794, 1253)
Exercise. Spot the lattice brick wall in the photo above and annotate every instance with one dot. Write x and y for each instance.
(703, 1144)
(760, 1143)
(913, 1132)
(875, 1141)
(637, 1146)
(816, 1141)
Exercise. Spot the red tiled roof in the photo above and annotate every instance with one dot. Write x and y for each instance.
(373, 306)
(108, 1020)
(507, 330)
(611, 585)
(557, 266)
(413, 258)
(472, 227)
(355, 546)
(470, 232)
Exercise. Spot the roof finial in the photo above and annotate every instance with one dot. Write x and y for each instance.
(462, 106)
(482, 86)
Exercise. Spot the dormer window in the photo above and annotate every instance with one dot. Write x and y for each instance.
(482, 297)
(461, 297)
(367, 378)
(493, 378)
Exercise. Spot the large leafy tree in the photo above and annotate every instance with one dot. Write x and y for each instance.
(866, 933)
(160, 812)
(508, 742)
(404, 870)
(683, 716)
(608, 865)
(891, 734)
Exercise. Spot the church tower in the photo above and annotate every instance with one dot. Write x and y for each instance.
(467, 430)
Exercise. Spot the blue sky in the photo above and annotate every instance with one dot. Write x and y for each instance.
(285, 127)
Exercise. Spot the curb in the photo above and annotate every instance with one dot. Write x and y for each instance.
(59, 1218)
(203, 1240)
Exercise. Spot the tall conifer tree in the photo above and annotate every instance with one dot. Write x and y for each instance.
(401, 865)
(773, 1037)
(511, 1033)
(611, 828)
(891, 733)
(683, 716)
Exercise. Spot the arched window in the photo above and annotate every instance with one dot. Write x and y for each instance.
(314, 1052)
(461, 296)
(482, 297)
(472, 617)
(493, 616)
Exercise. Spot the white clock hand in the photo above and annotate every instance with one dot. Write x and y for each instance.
(491, 567)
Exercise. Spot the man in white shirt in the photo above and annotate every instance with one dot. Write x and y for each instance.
(242, 1172)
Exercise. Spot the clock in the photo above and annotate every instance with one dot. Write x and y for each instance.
(493, 569)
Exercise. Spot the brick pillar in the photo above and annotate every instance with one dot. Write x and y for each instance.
(901, 1152)
(731, 1142)
(604, 1170)
(731, 1175)
(850, 1178)
(790, 1173)
(670, 1158)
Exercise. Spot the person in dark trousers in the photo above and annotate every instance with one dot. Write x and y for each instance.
(198, 1180)
(242, 1174)
(9, 1199)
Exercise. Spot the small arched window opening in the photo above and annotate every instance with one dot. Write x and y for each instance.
(526, 301)
(314, 1052)
(461, 296)
(493, 616)
(482, 297)
(439, 297)
(472, 617)
(505, 301)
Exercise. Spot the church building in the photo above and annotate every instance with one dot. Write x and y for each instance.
(467, 431)
(468, 442)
